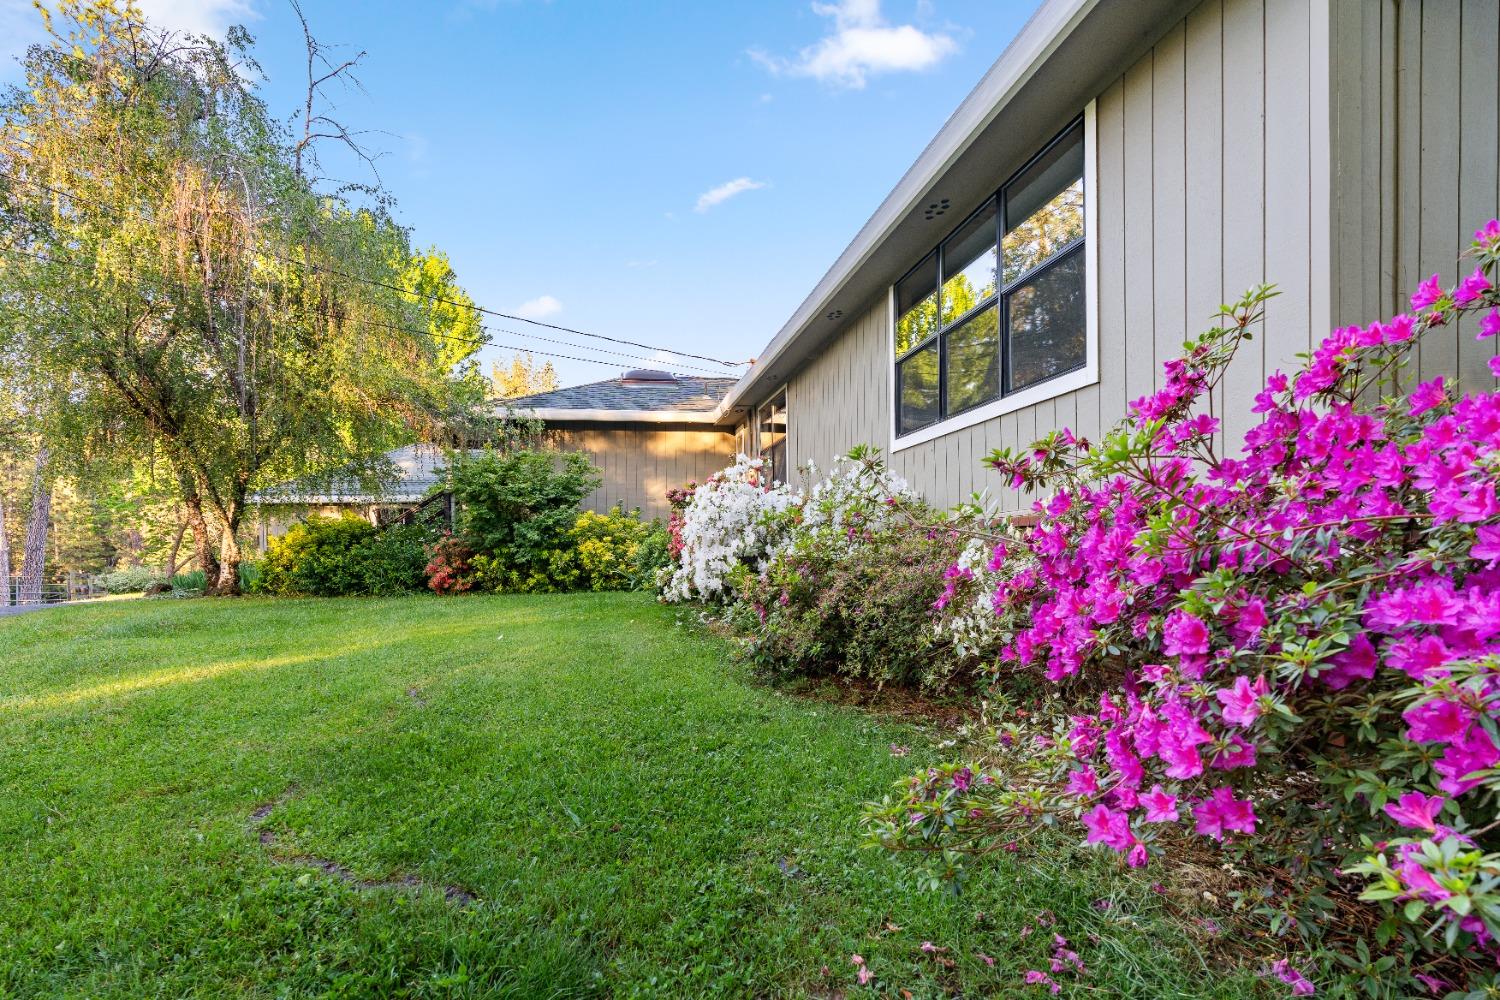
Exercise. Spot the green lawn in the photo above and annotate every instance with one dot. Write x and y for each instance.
(629, 814)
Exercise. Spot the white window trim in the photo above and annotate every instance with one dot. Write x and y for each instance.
(1052, 388)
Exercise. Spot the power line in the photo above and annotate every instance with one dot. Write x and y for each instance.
(396, 288)
(611, 362)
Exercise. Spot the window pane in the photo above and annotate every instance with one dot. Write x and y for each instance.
(1046, 323)
(1044, 207)
(973, 361)
(969, 265)
(771, 434)
(918, 380)
(916, 305)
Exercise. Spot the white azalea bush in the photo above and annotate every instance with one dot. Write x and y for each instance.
(733, 518)
(842, 578)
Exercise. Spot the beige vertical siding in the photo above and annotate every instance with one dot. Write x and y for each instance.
(1212, 162)
(639, 464)
(1416, 97)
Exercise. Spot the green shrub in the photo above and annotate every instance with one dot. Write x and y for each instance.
(128, 580)
(652, 555)
(866, 612)
(517, 512)
(612, 551)
(849, 584)
(336, 556)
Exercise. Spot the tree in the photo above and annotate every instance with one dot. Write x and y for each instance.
(522, 377)
(196, 295)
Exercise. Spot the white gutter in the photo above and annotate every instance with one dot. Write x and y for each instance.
(1031, 47)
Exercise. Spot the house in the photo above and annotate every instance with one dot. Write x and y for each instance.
(1122, 169)
(416, 471)
(646, 431)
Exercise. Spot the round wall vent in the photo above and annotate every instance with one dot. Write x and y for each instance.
(936, 208)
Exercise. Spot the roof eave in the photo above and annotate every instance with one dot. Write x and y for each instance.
(565, 414)
(1038, 42)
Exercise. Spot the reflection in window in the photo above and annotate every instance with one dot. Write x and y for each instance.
(1046, 328)
(973, 362)
(918, 388)
(952, 308)
(969, 265)
(1044, 207)
(916, 305)
(770, 430)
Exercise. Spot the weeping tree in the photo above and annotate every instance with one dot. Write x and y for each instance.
(163, 257)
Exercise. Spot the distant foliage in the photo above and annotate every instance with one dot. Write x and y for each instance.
(129, 580)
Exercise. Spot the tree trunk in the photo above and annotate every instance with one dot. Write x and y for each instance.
(171, 569)
(4, 556)
(34, 557)
(229, 565)
(203, 543)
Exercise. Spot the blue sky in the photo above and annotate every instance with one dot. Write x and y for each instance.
(679, 174)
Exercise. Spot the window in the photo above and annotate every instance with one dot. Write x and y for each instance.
(999, 306)
(770, 431)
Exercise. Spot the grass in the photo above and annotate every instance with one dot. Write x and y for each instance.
(629, 814)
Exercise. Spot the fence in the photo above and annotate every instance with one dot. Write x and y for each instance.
(74, 588)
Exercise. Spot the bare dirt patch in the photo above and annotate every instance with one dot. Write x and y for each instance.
(271, 841)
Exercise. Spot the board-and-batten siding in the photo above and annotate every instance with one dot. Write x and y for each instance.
(638, 464)
(1416, 100)
(1212, 164)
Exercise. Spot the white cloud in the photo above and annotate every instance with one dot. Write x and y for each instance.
(861, 45)
(725, 191)
(539, 308)
(21, 25)
(198, 17)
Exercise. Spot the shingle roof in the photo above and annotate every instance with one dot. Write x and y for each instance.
(416, 465)
(687, 393)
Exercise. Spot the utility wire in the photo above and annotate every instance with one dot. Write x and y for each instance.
(396, 288)
(611, 361)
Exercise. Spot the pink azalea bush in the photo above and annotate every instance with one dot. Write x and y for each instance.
(1291, 654)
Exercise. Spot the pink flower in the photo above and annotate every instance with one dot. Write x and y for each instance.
(1473, 752)
(1109, 827)
(1358, 662)
(1486, 544)
(1160, 807)
(1489, 325)
(1035, 977)
(1221, 812)
(1083, 783)
(1495, 366)
(1184, 634)
(1299, 983)
(1427, 293)
(1427, 395)
(987, 960)
(1416, 810)
(1471, 287)
(864, 975)
(1242, 701)
(1436, 721)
